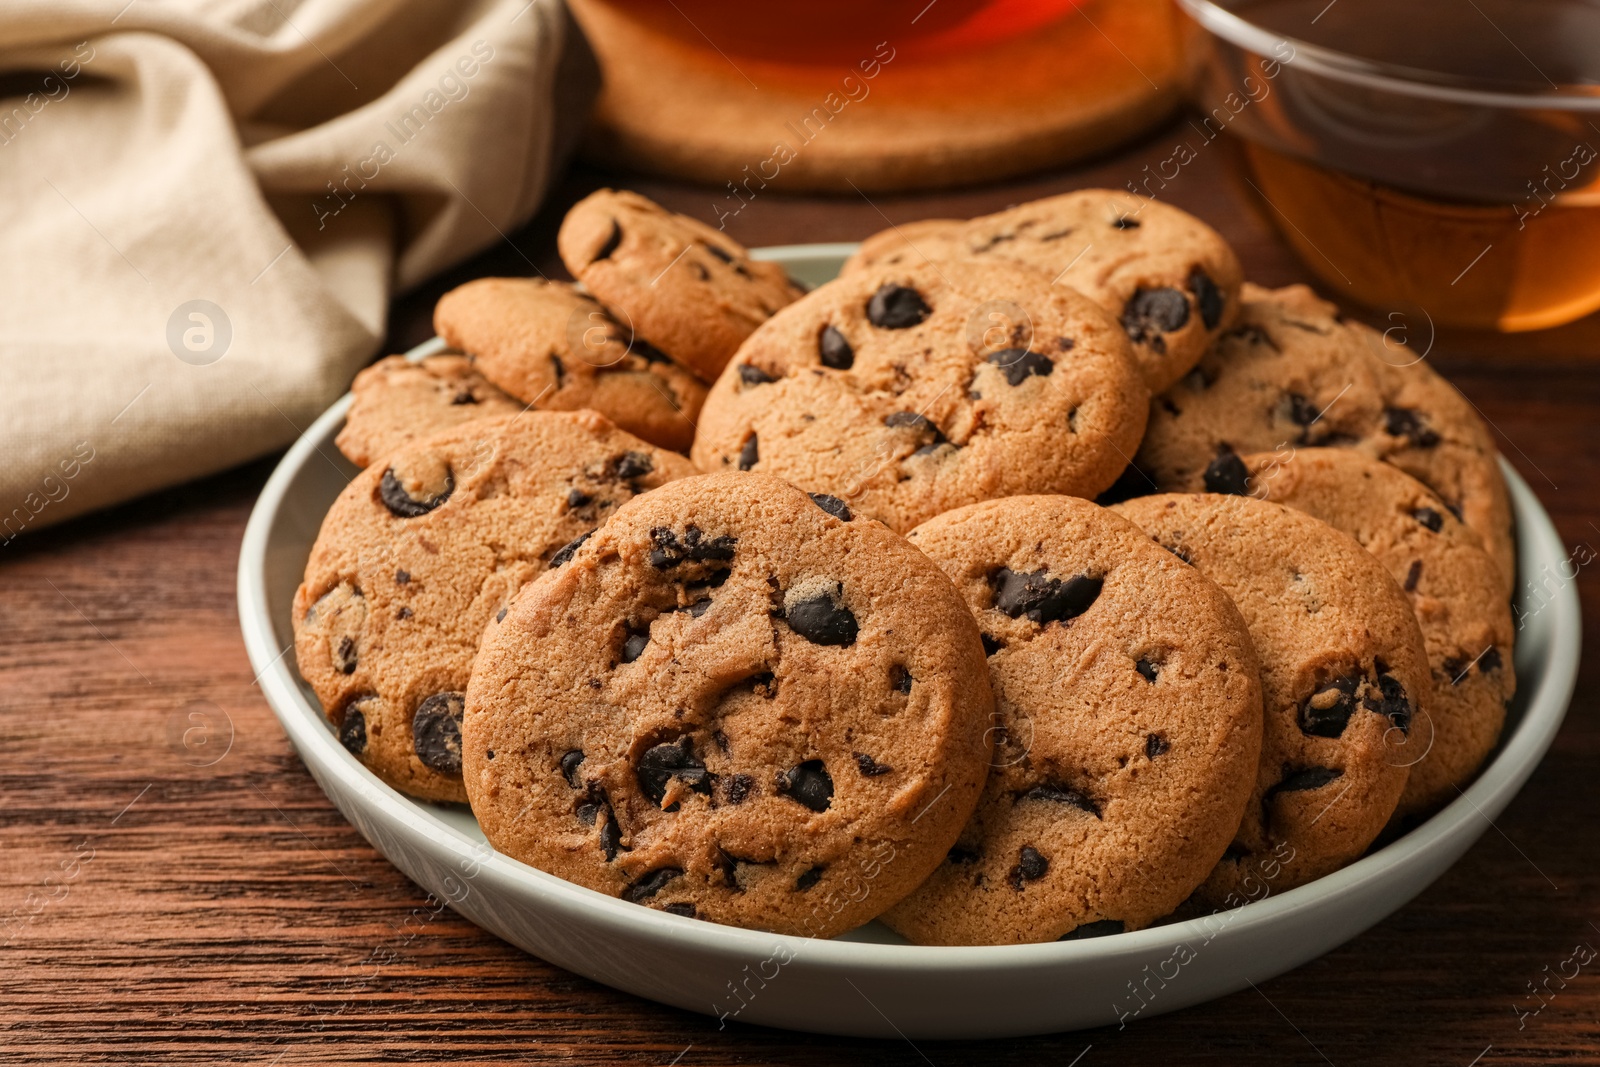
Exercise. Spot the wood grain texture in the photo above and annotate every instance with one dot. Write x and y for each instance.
(174, 888)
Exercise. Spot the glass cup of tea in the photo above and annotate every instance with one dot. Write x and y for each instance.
(1418, 154)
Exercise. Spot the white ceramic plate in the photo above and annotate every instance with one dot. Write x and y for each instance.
(869, 982)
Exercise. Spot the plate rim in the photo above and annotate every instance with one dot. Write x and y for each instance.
(1494, 786)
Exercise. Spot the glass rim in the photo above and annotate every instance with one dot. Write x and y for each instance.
(1222, 22)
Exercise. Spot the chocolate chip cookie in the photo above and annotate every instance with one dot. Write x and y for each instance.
(1168, 278)
(909, 391)
(1343, 673)
(1453, 586)
(423, 549)
(736, 702)
(1293, 373)
(684, 287)
(397, 400)
(556, 349)
(1128, 725)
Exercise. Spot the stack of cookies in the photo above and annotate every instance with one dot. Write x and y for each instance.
(1036, 579)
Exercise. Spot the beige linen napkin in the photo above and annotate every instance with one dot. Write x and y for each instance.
(204, 207)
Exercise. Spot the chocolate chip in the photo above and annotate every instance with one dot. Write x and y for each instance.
(808, 878)
(1155, 745)
(1302, 412)
(1042, 599)
(1413, 575)
(672, 759)
(571, 760)
(679, 907)
(670, 551)
(1061, 794)
(402, 504)
(577, 498)
(823, 619)
(650, 884)
(499, 616)
(900, 679)
(870, 768)
(896, 307)
(631, 465)
(611, 243)
(738, 787)
(1489, 661)
(1098, 928)
(1122, 222)
(991, 645)
(402, 577)
(1227, 473)
(957, 854)
(1207, 297)
(1303, 780)
(1391, 701)
(834, 350)
(1327, 711)
(1020, 363)
(1031, 866)
(463, 398)
(911, 420)
(1456, 669)
(749, 375)
(561, 371)
(699, 271)
(1409, 423)
(353, 731)
(750, 454)
(1198, 380)
(1147, 670)
(345, 655)
(569, 549)
(1252, 334)
(809, 784)
(595, 804)
(405, 613)
(832, 505)
(1429, 518)
(436, 732)
(718, 252)
(699, 607)
(634, 644)
(1149, 313)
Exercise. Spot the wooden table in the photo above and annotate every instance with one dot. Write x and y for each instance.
(176, 889)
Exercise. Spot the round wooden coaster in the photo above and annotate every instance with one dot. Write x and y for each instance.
(894, 119)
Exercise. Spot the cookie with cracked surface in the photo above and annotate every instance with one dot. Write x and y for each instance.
(909, 391)
(1168, 278)
(421, 551)
(555, 349)
(1454, 589)
(689, 290)
(1343, 672)
(397, 400)
(1294, 373)
(736, 702)
(1128, 717)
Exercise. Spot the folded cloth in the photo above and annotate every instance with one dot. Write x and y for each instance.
(204, 208)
